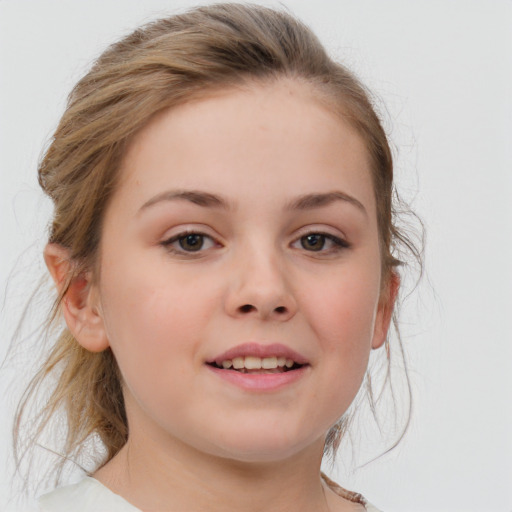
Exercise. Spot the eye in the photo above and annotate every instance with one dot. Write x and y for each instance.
(189, 242)
(313, 242)
(320, 242)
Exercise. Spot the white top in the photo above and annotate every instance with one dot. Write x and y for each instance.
(90, 495)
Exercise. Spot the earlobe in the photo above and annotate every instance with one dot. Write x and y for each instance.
(385, 310)
(79, 302)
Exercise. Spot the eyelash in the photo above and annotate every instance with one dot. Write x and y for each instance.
(338, 244)
(168, 244)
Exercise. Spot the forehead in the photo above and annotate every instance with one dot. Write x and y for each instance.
(277, 137)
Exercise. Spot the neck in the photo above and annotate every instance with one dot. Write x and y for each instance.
(181, 478)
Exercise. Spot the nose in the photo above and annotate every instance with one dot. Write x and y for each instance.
(260, 287)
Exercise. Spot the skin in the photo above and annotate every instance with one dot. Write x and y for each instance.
(196, 441)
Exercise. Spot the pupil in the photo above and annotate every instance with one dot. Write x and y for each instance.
(313, 242)
(191, 242)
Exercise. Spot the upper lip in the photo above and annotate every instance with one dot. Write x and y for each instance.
(259, 350)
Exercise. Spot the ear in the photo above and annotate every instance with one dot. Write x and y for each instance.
(385, 310)
(80, 303)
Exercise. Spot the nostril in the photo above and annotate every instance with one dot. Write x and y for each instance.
(249, 308)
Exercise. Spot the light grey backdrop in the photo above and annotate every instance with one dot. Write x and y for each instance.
(444, 71)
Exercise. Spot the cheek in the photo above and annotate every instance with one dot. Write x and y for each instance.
(150, 317)
(154, 334)
(342, 315)
(343, 312)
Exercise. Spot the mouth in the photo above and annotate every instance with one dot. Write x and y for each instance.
(260, 368)
(258, 365)
(259, 359)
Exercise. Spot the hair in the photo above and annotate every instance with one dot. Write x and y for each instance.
(161, 65)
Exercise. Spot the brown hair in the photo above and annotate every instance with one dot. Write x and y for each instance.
(161, 65)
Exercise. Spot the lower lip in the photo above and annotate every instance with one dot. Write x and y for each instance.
(260, 381)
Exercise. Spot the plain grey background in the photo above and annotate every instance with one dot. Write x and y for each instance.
(443, 69)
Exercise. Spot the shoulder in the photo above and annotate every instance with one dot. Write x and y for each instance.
(88, 495)
(353, 497)
(370, 508)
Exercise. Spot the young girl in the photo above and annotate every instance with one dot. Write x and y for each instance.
(222, 246)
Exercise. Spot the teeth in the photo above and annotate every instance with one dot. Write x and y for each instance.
(269, 363)
(257, 363)
(252, 363)
(238, 363)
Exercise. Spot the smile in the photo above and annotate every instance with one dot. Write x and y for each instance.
(258, 365)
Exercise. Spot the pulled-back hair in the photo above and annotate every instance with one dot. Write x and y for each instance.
(163, 64)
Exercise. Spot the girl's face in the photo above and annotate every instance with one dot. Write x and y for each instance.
(243, 233)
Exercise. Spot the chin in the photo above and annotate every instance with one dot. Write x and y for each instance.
(259, 448)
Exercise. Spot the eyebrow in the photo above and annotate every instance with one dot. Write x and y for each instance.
(208, 200)
(204, 199)
(312, 201)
